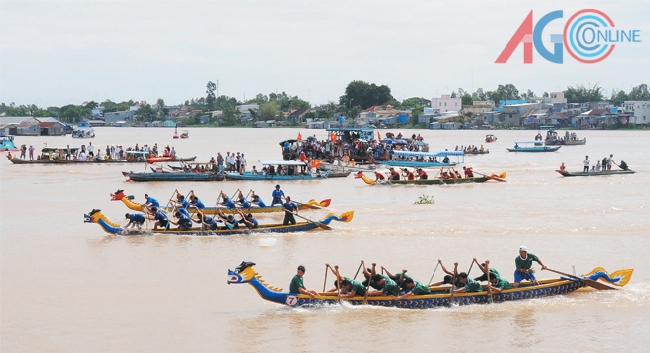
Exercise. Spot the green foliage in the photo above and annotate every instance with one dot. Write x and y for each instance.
(581, 94)
(640, 93)
(211, 99)
(467, 99)
(365, 95)
(269, 111)
(231, 116)
(425, 200)
(145, 113)
(618, 97)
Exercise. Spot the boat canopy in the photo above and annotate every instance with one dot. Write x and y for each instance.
(428, 154)
(274, 162)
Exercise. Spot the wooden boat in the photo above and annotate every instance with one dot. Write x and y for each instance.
(490, 138)
(310, 205)
(573, 142)
(90, 161)
(432, 181)
(440, 296)
(174, 176)
(422, 159)
(292, 167)
(606, 172)
(533, 146)
(185, 134)
(337, 173)
(7, 143)
(477, 152)
(96, 216)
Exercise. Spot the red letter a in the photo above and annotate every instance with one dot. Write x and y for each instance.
(523, 35)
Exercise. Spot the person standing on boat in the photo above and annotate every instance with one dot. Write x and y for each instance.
(290, 209)
(297, 287)
(242, 164)
(277, 196)
(469, 285)
(135, 220)
(91, 148)
(597, 166)
(220, 162)
(585, 163)
(31, 152)
(524, 262)
(68, 153)
(562, 167)
(610, 161)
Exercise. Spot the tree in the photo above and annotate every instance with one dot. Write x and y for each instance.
(411, 103)
(580, 94)
(230, 115)
(640, 93)
(211, 99)
(92, 105)
(453, 95)
(69, 113)
(467, 99)
(364, 95)
(160, 108)
(269, 111)
(479, 95)
(145, 113)
(545, 95)
(618, 97)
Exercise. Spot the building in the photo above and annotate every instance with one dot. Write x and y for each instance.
(640, 111)
(512, 114)
(479, 107)
(297, 114)
(123, 116)
(557, 98)
(445, 103)
(245, 111)
(52, 128)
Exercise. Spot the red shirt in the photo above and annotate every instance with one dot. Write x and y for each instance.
(379, 176)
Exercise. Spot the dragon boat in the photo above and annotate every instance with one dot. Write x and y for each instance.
(432, 181)
(96, 216)
(439, 297)
(311, 204)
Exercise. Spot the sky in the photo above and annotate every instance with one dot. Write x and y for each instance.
(54, 53)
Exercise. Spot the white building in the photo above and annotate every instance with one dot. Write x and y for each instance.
(640, 111)
(445, 103)
(557, 98)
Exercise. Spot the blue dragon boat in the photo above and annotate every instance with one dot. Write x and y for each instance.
(533, 146)
(292, 168)
(423, 159)
(440, 297)
(96, 216)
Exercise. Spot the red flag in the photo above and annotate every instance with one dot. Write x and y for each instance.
(299, 136)
(333, 137)
(378, 136)
(315, 163)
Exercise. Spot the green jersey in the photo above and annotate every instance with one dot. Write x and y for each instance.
(398, 277)
(483, 277)
(420, 289)
(526, 263)
(472, 286)
(357, 287)
(502, 284)
(390, 287)
(296, 283)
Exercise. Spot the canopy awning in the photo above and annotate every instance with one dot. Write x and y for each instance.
(427, 154)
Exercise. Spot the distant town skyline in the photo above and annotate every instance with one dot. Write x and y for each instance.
(56, 52)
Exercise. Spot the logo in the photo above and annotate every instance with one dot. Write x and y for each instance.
(589, 36)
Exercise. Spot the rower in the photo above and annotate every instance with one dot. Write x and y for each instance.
(457, 282)
(378, 176)
(195, 202)
(184, 222)
(469, 285)
(394, 175)
(230, 221)
(349, 287)
(160, 217)
(151, 202)
(242, 201)
(413, 288)
(207, 221)
(408, 174)
(257, 200)
(248, 220)
(227, 201)
(469, 173)
(481, 266)
(397, 277)
(180, 202)
(290, 209)
(387, 285)
(135, 220)
(422, 174)
(497, 284)
(366, 274)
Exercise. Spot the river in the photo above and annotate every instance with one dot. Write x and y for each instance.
(67, 286)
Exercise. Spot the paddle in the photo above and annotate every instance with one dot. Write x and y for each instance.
(589, 282)
(492, 177)
(338, 283)
(399, 285)
(321, 225)
(470, 268)
(359, 269)
(453, 283)
(372, 274)
(434, 273)
(325, 280)
(487, 273)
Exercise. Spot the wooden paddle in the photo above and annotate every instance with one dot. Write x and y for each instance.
(325, 280)
(358, 269)
(591, 283)
(434, 273)
(487, 273)
(453, 284)
(372, 274)
(338, 283)
(470, 268)
(321, 225)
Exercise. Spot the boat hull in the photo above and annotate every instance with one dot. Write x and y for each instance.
(535, 149)
(610, 172)
(248, 176)
(412, 164)
(174, 177)
(574, 142)
(436, 181)
(90, 161)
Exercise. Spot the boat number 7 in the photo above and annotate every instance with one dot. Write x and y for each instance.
(291, 300)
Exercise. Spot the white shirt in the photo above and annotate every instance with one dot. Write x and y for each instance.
(586, 162)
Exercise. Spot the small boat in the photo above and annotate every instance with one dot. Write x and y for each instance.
(432, 181)
(157, 175)
(606, 172)
(96, 216)
(337, 173)
(533, 146)
(574, 142)
(290, 171)
(422, 159)
(309, 205)
(51, 155)
(185, 134)
(7, 143)
(490, 138)
(477, 152)
(152, 160)
(83, 130)
(440, 296)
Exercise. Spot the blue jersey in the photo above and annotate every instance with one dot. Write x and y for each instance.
(244, 203)
(184, 212)
(259, 202)
(227, 201)
(160, 216)
(277, 196)
(152, 202)
(198, 204)
(212, 223)
(184, 203)
(184, 219)
(137, 218)
(290, 206)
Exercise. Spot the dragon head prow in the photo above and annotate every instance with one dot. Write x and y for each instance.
(117, 195)
(242, 273)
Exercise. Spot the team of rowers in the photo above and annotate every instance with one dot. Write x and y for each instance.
(420, 174)
(183, 219)
(401, 285)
